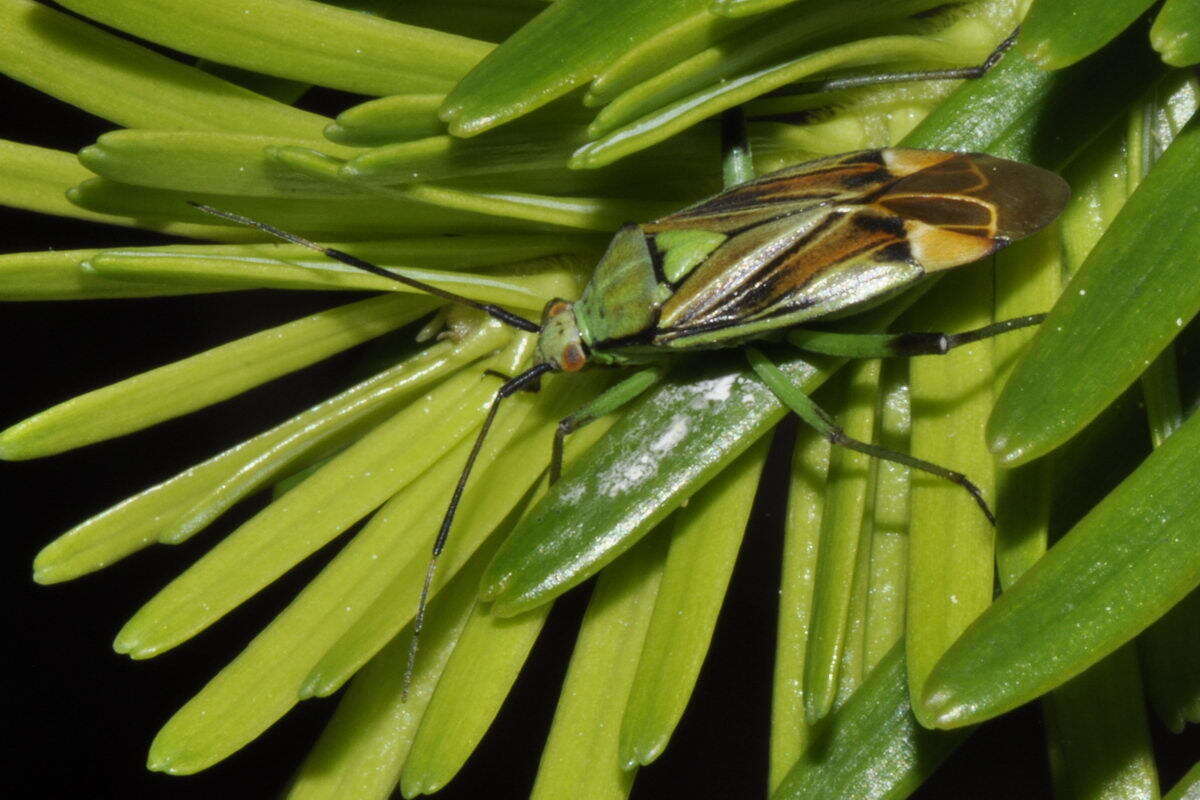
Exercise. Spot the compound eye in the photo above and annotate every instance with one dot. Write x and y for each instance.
(553, 309)
(573, 358)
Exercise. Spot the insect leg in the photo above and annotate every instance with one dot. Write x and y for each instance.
(606, 403)
(856, 81)
(510, 387)
(812, 414)
(884, 345)
(532, 387)
(737, 163)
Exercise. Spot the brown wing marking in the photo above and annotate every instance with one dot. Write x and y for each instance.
(736, 263)
(839, 179)
(777, 286)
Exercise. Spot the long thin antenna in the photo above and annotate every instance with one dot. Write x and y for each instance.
(510, 387)
(496, 312)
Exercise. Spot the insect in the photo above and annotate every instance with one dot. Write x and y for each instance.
(809, 243)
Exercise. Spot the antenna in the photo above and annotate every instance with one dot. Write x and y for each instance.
(511, 385)
(494, 311)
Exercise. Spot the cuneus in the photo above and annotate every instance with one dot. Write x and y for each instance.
(758, 262)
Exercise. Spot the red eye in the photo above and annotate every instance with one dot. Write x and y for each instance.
(573, 359)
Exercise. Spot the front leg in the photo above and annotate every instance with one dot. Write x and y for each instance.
(812, 414)
(606, 403)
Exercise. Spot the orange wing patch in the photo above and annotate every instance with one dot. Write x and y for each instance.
(936, 248)
(903, 161)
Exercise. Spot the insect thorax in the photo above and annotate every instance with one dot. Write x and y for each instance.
(622, 299)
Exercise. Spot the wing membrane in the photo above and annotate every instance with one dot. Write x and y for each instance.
(969, 206)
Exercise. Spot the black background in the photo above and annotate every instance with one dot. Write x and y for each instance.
(81, 717)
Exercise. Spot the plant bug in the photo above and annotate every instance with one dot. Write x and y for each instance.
(817, 241)
(813, 242)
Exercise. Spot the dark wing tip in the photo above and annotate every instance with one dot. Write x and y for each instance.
(1028, 198)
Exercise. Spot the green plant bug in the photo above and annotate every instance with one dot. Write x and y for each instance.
(813, 242)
